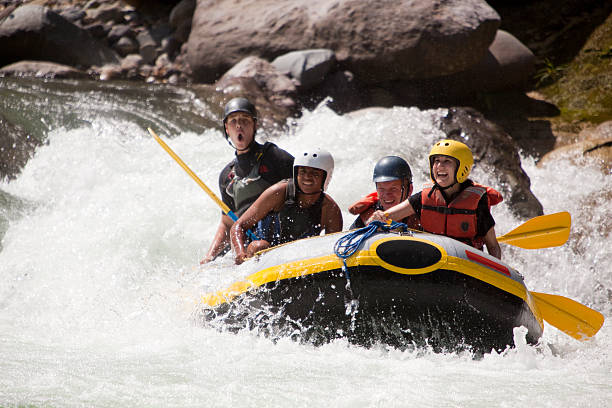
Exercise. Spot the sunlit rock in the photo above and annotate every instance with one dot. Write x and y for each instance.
(41, 69)
(597, 152)
(494, 150)
(400, 40)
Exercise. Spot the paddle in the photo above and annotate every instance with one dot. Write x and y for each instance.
(224, 207)
(540, 232)
(575, 319)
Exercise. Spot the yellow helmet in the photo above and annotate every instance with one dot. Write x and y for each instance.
(457, 151)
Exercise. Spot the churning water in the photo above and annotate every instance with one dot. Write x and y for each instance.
(102, 232)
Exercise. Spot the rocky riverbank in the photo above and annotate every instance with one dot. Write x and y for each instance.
(519, 65)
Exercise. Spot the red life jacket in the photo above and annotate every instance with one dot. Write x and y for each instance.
(368, 204)
(456, 219)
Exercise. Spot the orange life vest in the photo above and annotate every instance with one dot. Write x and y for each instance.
(456, 219)
(368, 204)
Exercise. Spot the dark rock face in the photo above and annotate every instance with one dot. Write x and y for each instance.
(34, 32)
(16, 148)
(377, 42)
(494, 150)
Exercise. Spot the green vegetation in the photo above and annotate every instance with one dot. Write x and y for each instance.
(582, 89)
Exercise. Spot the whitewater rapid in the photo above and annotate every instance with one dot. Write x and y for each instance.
(100, 278)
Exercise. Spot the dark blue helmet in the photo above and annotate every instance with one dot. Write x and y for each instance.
(392, 168)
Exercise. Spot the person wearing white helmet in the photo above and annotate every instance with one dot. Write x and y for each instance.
(254, 168)
(299, 205)
(455, 206)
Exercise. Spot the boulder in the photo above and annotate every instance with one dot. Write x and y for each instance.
(180, 19)
(41, 69)
(126, 45)
(34, 32)
(279, 89)
(602, 131)
(105, 12)
(118, 31)
(16, 148)
(507, 65)
(496, 152)
(308, 67)
(147, 46)
(398, 40)
(596, 152)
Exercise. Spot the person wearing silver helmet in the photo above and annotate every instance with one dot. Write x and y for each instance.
(254, 168)
(299, 206)
(393, 180)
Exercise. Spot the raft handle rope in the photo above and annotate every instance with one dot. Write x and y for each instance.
(351, 242)
(347, 246)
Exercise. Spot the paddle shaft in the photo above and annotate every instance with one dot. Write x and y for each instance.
(195, 178)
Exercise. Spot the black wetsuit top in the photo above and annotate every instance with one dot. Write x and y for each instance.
(275, 165)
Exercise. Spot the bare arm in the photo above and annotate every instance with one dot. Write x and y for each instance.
(220, 241)
(271, 199)
(331, 216)
(398, 212)
(493, 247)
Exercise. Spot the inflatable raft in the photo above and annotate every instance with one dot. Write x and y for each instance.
(401, 289)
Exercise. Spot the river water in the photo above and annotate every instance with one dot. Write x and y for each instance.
(102, 232)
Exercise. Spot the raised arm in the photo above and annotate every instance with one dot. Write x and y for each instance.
(270, 200)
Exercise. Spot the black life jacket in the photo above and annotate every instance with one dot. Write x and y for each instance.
(294, 222)
(245, 190)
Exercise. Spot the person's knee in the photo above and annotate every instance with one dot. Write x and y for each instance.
(257, 246)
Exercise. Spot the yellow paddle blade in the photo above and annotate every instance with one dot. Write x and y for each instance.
(577, 320)
(540, 232)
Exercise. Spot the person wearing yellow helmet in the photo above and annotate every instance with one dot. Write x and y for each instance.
(455, 206)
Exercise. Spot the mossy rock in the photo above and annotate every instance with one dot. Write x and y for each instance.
(584, 90)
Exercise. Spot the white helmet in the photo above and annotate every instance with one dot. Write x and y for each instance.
(317, 158)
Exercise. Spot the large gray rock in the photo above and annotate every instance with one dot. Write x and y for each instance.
(33, 32)
(308, 67)
(41, 69)
(494, 150)
(278, 88)
(378, 42)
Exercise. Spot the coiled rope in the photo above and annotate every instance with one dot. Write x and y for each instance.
(348, 244)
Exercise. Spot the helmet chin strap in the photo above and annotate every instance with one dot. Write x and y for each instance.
(442, 189)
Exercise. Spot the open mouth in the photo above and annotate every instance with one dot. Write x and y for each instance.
(240, 137)
(442, 175)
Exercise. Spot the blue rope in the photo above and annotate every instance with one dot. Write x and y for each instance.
(350, 243)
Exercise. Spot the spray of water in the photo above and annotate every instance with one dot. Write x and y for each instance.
(100, 277)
